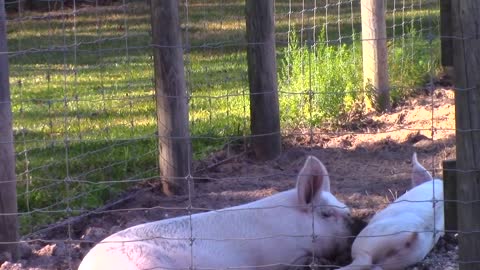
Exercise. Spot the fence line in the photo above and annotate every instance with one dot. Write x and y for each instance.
(8, 192)
(84, 101)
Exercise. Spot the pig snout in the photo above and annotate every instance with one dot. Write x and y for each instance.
(356, 225)
(350, 225)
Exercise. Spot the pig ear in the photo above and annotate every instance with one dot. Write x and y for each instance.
(312, 179)
(419, 174)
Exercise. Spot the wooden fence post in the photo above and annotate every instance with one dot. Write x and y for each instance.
(262, 77)
(446, 36)
(466, 60)
(374, 51)
(8, 184)
(450, 194)
(171, 95)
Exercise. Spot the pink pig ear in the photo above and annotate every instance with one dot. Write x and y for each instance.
(313, 178)
(419, 174)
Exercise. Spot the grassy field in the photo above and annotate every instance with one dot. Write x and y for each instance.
(83, 99)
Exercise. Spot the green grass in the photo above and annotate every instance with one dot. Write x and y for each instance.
(319, 82)
(85, 120)
(412, 63)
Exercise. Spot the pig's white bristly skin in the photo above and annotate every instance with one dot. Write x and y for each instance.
(403, 233)
(270, 232)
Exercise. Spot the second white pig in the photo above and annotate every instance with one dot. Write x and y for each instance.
(269, 233)
(403, 233)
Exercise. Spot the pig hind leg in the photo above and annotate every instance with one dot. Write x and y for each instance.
(399, 256)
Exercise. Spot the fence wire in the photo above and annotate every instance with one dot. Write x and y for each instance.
(85, 127)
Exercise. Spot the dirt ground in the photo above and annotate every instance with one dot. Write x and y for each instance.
(369, 165)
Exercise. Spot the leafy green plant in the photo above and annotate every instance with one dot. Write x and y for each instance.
(322, 83)
(412, 60)
(318, 82)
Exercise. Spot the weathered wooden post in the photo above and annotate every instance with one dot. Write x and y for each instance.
(466, 65)
(374, 51)
(446, 36)
(171, 95)
(450, 194)
(262, 76)
(8, 184)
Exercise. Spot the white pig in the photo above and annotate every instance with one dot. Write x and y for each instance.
(403, 233)
(270, 232)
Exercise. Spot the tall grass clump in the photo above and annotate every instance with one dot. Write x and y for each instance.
(323, 83)
(318, 82)
(411, 61)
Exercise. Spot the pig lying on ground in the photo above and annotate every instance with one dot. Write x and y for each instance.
(272, 232)
(403, 233)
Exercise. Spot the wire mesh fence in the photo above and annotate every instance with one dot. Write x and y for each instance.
(85, 117)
